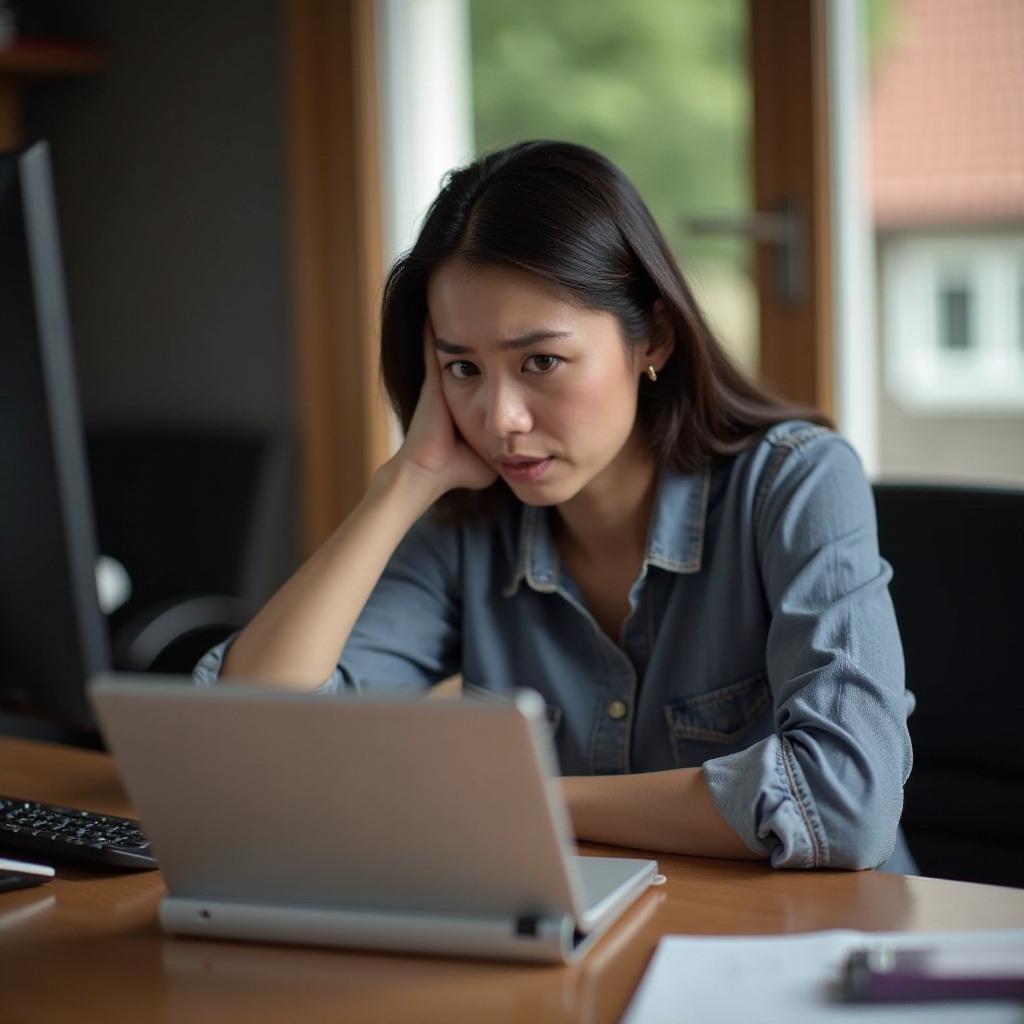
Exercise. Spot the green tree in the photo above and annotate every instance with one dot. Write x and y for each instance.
(659, 86)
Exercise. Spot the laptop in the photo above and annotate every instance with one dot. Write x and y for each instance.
(372, 822)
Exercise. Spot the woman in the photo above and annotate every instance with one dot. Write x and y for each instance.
(591, 501)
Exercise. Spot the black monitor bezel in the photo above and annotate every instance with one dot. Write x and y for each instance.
(53, 633)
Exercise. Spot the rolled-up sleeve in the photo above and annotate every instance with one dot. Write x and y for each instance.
(207, 669)
(826, 790)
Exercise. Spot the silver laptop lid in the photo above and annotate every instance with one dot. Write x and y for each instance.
(358, 801)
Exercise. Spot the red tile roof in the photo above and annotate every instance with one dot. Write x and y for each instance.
(947, 114)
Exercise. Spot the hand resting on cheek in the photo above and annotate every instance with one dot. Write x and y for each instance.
(433, 443)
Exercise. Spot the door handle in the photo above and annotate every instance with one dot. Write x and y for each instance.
(782, 229)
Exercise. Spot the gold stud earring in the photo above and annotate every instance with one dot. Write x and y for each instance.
(652, 373)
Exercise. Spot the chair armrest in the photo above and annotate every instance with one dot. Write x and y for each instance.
(142, 640)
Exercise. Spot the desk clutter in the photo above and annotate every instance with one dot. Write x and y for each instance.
(97, 932)
(803, 979)
(16, 874)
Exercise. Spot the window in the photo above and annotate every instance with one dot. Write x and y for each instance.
(663, 89)
(953, 323)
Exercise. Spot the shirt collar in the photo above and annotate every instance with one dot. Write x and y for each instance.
(675, 543)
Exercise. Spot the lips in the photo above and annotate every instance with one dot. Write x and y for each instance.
(523, 470)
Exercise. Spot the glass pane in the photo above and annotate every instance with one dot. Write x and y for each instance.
(662, 89)
(955, 317)
(946, 130)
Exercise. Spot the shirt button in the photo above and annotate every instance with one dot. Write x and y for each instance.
(617, 709)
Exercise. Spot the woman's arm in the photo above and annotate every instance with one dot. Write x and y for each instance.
(827, 789)
(668, 812)
(295, 639)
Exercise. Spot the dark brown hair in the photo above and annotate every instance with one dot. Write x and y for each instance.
(566, 213)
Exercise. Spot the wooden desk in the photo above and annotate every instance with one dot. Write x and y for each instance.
(87, 947)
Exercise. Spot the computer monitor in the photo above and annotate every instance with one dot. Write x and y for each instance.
(53, 634)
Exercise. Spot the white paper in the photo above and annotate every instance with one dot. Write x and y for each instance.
(791, 979)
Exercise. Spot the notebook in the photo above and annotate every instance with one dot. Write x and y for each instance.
(372, 822)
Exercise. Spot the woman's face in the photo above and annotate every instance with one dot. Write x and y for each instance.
(542, 390)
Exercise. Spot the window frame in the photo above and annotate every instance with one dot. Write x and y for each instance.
(338, 233)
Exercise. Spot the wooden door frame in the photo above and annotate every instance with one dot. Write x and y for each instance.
(791, 158)
(337, 253)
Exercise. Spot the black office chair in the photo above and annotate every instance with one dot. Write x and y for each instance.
(203, 521)
(958, 587)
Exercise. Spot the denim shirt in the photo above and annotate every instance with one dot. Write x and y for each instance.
(761, 644)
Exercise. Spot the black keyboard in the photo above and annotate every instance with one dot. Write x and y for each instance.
(47, 831)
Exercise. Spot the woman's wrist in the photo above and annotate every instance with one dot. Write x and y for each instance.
(415, 488)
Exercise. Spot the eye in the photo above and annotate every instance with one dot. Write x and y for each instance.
(462, 370)
(541, 363)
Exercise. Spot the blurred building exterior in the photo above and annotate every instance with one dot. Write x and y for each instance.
(947, 178)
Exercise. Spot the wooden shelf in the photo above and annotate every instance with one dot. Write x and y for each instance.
(43, 58)
(28, 60)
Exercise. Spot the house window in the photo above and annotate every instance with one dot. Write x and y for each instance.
(955, 309)
(953, 321)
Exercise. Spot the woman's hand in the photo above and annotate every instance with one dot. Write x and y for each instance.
(433, 445)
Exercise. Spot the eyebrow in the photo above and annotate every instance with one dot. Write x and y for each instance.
(508, 345)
